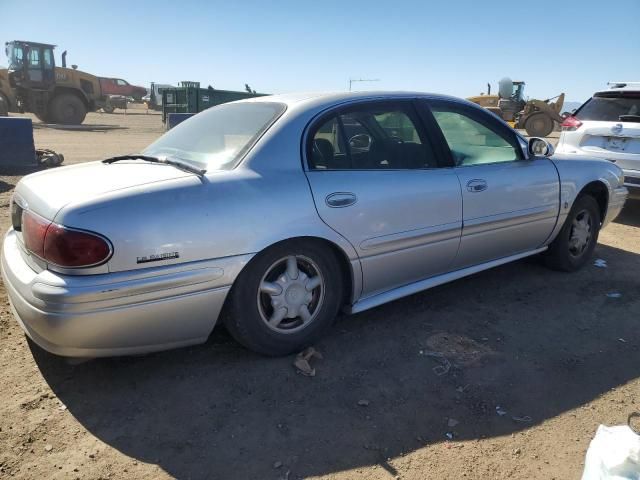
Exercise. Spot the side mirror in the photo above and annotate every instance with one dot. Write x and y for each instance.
(539, 147)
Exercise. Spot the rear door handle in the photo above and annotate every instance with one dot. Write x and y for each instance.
(341, 199)
(477, 185)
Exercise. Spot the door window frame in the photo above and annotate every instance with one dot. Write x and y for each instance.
(480, 115)
(405, 105)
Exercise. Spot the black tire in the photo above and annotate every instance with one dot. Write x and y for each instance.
(42, 117)
(108, 109)
(245, 311)
(4, 106)
(68, 109)
(561, 255)
(538, 125)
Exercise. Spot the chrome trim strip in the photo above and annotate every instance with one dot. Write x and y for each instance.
(60, 294)
(509, 219)
(381, 298)
(412, 238)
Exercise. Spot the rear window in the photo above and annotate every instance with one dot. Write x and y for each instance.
(217, 138)
(609, 107)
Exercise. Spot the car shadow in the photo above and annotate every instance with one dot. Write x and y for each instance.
(480, 350)
(630, 214)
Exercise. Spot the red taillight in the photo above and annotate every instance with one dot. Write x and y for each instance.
(62, 246)
(34, 228)
(571, 123)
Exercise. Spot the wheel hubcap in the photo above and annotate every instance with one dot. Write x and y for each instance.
(580, 233)
(290, 294)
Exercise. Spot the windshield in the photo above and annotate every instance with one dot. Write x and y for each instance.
(217, 138)
(609, 108)
(15, 54)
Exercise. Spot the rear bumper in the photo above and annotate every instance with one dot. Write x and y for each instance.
(117, 313)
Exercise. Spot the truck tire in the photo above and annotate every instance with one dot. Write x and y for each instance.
(42, 117)
(538, 125)
(4, 106)
(67, 109)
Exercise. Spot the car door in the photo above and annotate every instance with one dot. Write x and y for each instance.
(376, 180)
(510, 202)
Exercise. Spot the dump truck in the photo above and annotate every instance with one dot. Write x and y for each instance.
(536, 117)
(54, 94)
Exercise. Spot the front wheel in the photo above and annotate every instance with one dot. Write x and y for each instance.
(538, 125)
(575, 243)
(286, 298)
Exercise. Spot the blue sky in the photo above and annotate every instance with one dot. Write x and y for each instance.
(453, 47)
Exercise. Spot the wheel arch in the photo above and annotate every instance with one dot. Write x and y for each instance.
(600, 192)
(350, 273)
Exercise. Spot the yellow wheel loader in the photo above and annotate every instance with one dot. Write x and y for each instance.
(537, 117)
(54, 94)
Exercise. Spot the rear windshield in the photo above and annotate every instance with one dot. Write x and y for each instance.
(217, 138)
(609, 108)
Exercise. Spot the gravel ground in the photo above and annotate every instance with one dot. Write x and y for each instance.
(538, 360)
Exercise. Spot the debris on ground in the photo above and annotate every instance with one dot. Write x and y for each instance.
(622, 340)
(277, 464)
(302, 361)
(600, 263)
(524, 419)
(452, 422)
(501, 411)
(363, 403)
(49, 158)
(449, 435)
(453, 350)
(614, 295)
(48, 448)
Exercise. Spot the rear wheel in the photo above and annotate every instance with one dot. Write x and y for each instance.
(108, 109)
(538, 125)
(286, 298)
(575, 243)
(68, 109)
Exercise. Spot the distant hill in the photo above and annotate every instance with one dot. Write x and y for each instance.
(569, 106)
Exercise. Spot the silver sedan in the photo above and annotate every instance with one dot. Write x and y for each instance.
(274, 213)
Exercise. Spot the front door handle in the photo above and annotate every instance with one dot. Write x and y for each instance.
(477, 185)
(341, 199)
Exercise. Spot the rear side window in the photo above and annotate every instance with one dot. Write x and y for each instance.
(370, 137)
(610, 108)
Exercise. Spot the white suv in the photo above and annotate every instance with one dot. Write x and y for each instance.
(608, 126)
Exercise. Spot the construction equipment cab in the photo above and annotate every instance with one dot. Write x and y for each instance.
(53, 94)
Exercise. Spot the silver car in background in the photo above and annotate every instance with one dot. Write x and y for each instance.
(274, 213)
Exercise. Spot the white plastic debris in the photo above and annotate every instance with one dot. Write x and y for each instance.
(501, 411)
(613, 454)
(614, 295)
(600, 263)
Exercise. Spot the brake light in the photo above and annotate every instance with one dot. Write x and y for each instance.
(571, 123)
(34, 228)
(62, 246)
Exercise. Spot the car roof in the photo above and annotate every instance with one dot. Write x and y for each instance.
(620, 87)
(320, 99)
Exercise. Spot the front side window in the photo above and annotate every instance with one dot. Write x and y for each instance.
(369, 138)
(122, 83)
(471, 142)
(217, 138)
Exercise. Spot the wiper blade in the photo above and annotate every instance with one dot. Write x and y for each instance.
(164, 160)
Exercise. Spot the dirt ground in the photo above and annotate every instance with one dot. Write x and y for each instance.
(536, 361)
